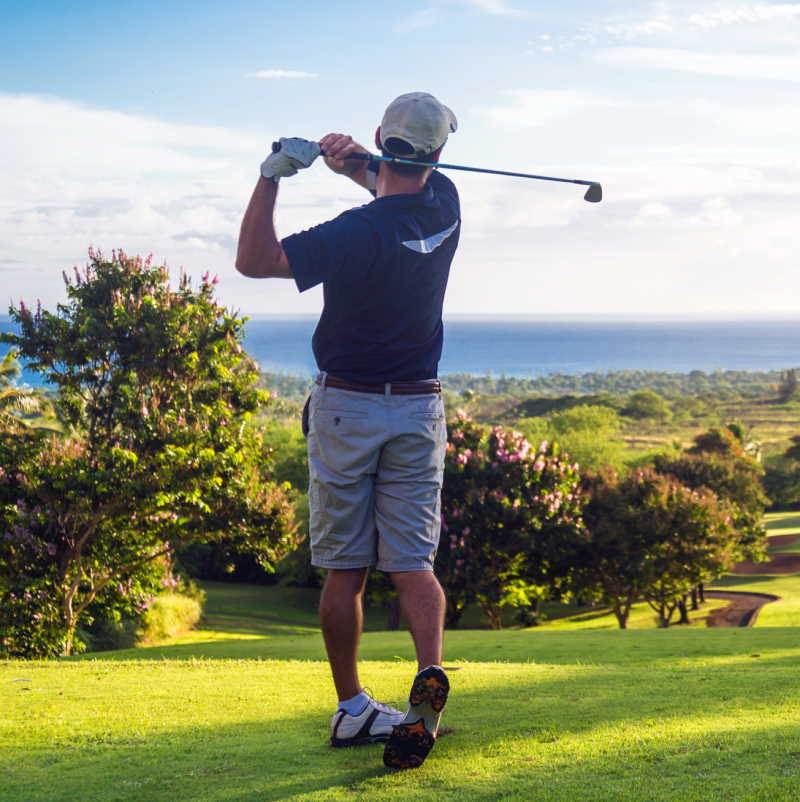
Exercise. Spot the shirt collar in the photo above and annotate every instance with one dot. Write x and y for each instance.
(426, 197)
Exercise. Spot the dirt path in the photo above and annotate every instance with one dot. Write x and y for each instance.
(742, 610)
(779, 564)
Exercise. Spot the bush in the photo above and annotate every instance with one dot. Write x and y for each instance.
(647, 405)
(170, 615)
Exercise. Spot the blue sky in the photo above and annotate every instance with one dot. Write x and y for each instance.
(143, 127)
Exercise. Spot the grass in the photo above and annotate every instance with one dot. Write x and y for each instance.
(573, 710)
(783, 523)
(638, 715)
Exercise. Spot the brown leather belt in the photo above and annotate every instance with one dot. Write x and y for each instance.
(395, 388)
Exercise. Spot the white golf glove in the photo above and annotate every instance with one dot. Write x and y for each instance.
(293, 154)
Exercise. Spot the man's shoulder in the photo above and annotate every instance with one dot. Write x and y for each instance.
(442, 185)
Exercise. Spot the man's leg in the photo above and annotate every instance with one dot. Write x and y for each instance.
(422, 602)
(342, 617)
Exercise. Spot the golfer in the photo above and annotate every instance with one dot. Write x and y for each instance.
(375, 426)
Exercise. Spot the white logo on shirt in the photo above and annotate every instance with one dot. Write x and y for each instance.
(431, 243)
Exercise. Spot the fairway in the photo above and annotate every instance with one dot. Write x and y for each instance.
(638, 715)
(573, 710)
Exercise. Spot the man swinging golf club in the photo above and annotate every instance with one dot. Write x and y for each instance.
(376, 425)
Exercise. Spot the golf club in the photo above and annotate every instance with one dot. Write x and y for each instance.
(594, 194)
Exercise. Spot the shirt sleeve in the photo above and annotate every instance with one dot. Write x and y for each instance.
(342, 245)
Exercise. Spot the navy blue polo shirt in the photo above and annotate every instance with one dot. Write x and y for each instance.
(383, 269)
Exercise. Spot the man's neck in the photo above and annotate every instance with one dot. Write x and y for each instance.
(390, 183)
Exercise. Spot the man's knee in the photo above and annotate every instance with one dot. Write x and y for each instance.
(414, 580)
(346, 581)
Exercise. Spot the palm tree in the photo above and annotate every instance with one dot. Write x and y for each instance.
(14, 400)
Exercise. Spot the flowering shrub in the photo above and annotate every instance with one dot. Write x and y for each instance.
(510, 516)
(154, 394)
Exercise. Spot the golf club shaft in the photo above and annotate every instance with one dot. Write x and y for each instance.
(594, 194)
(397, 160)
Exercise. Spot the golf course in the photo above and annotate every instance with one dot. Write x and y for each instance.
(571, 710)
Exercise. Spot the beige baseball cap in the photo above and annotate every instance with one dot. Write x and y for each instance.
(419, 121)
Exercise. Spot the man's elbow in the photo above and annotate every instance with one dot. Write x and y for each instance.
(246, 268)
(272, 265)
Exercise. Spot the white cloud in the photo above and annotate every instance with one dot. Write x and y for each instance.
(424, 18)
(660, 24)
(498, 8)
(532, 108)
(75, 176)
(752, 66)
(271, 74)
(740, 14)
(652, 212)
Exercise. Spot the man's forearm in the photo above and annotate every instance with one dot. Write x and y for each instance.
(260, 254)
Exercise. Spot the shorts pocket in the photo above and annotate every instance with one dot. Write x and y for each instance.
(342, 414)
(427, 415)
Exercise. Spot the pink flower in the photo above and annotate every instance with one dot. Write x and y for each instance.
(538, 465)
(51, 549)
(459, 563)
(466, 530)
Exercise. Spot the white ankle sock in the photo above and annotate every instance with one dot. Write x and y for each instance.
(355, 705)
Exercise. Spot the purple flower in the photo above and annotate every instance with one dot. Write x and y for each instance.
(51, 549)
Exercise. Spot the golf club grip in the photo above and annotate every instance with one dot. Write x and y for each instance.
(276, 147)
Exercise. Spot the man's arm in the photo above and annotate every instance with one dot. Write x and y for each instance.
(260, 254)
(337, 147)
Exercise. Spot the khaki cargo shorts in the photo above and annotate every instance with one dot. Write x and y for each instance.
(376, 463)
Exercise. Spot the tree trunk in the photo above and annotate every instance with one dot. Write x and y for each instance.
(684, 619)
(393, 619)
(622, 616)
(492, 614)
(701, 593)
(695, 605)
(452, 615)
(68, 643)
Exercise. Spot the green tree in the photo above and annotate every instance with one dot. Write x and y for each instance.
(156, 390)
(793, 451)
(646, 404)
(589, 435)
(718, 462)
(789, 386)
(649, 537)
(15, 401)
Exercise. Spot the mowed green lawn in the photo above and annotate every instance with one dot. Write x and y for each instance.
(535, 715)
(239, 710)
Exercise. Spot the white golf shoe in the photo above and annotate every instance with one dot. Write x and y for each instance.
(374, 724)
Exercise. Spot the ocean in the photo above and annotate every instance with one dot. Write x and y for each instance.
(530, 347)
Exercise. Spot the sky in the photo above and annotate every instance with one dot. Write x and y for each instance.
(142, 127)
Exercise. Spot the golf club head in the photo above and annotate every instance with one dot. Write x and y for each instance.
(594, 194)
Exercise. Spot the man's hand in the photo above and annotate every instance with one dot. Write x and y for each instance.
(294, 154)
(337, 147)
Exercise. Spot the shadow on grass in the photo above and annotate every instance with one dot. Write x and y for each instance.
(583, 647)
(592, 733)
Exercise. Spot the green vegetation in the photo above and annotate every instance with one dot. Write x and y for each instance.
(243, 714)
(155, 392)
(169, 616)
